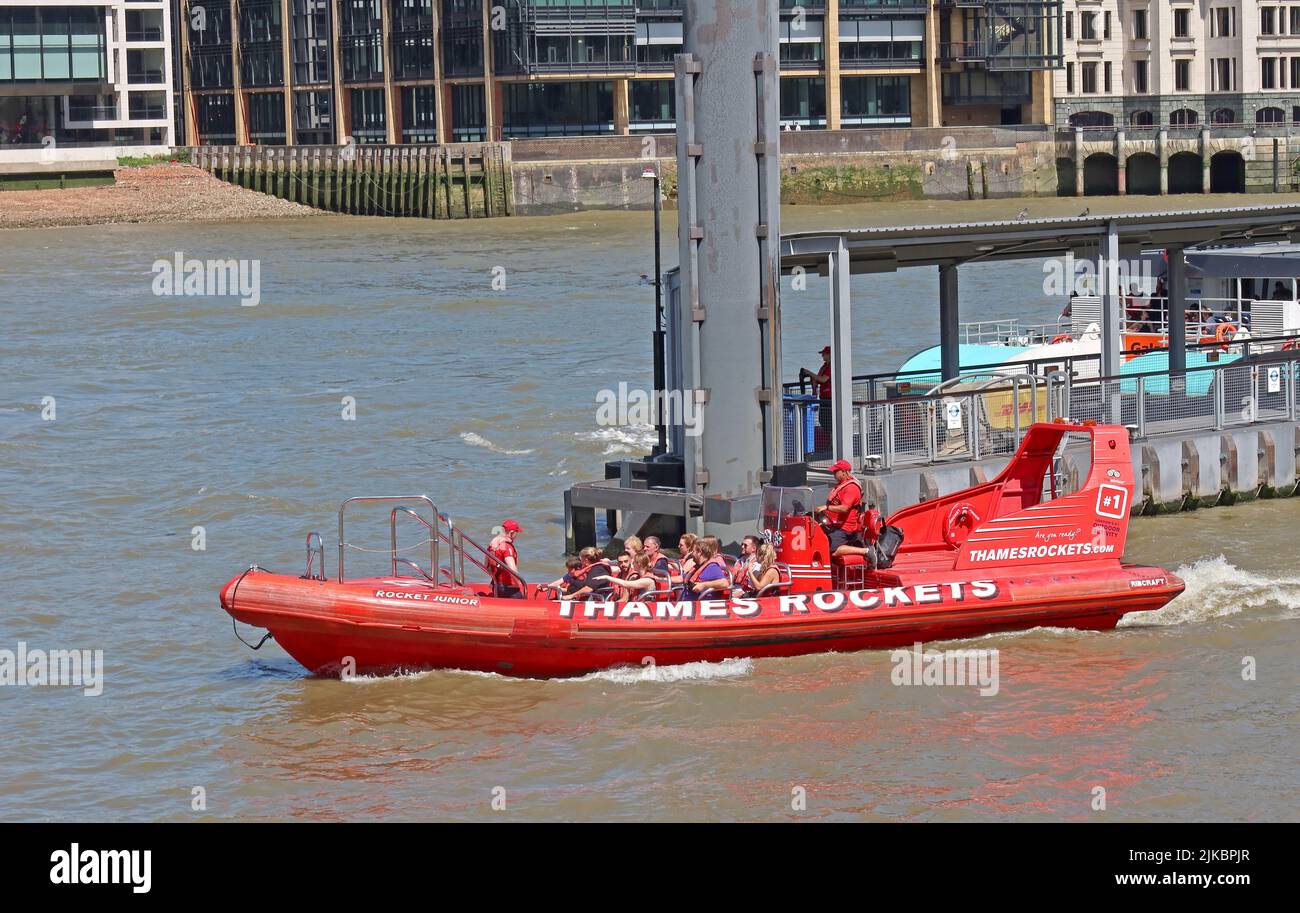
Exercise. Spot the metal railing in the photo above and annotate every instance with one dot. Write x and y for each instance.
(972, 418)
(440, 532)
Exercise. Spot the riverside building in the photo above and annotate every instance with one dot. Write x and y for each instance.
(424, 71)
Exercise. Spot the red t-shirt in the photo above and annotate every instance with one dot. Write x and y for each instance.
(823, 388)
(846, 494)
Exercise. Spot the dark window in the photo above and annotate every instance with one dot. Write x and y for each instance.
(368, 121)
(1140, 24)
(211, 58)
(313, 121)
(1270, 116)
(652, 104)
(266, 118)
(214, 118)
(361, 40)
(468, 116)
(1223, 116)
(1142, 119)
(261, 45)
(311, 53)
(1182, 75)
(881, 41)
(557, 108)
(1140, 84)
(1183, 117)
(803, 102)
(412, 39)
(869, 100)
(462, 38)
(420, 114)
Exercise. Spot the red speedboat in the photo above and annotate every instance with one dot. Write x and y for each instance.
(1006, 555)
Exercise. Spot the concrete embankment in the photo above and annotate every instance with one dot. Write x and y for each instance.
(824, 166)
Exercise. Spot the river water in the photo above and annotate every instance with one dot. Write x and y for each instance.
(172, 414)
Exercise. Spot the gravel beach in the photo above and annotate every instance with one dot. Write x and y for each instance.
(151, 193)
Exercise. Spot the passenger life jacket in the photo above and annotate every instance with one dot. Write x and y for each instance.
(693, 576)
(502, 549)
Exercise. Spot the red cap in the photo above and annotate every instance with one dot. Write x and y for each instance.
(838, 466)
(826, 349)
(512, 526)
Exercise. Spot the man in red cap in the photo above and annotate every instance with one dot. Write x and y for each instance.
(821, 384)
(505, 576)
(842, 512)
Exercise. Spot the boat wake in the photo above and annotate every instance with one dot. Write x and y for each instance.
(637, 439)
(1215, 589)
(686, 672)
(477, 440)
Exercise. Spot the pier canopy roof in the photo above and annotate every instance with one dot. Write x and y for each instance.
(1263, 261)
(886, 249)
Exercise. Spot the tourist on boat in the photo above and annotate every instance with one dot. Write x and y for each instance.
(709, 578)
(569, 581)
(659, 562)
(758, 572)
(633, 545)
(593, 566)
(842, 512)
(748, 556)
(821, 384)
(505, 575)
(635, 582)
(686, 558)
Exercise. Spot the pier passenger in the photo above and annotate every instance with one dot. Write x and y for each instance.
(505, 579)
(821, 384)
(842, 512)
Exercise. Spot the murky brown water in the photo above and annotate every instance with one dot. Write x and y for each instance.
(181, 412)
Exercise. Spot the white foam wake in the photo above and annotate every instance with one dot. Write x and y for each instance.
(477, 440)
(1216, 588)
(685, 672)
(623, 438)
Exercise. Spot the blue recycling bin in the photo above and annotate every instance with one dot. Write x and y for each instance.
(789, 419)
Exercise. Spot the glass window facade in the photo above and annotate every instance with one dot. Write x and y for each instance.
(211, 60)
(867, 41)
(876, 101)
(652, 105)
(368, 120)
(52, 44)
(420, 114)
(313, 121)
(468, 115)
(803, 102)
(261, 44)
(266, 118)
(361, 40)
(557, 108)
(214, 116)
(309, 29)
(412, 39)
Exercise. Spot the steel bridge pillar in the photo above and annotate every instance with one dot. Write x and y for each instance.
(729, 230)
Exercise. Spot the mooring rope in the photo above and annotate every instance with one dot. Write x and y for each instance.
(233, 626)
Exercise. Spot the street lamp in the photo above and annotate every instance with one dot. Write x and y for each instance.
(650, 173)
